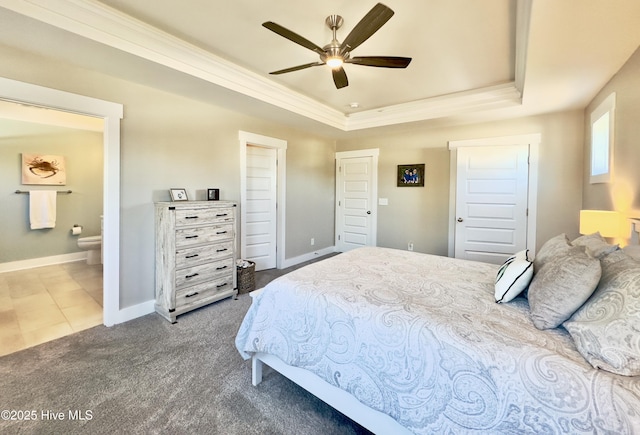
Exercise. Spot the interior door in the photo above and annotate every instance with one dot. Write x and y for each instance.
(261, 218)
(491, 202)
(355, 203)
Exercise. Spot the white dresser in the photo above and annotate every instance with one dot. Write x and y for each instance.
(195, 255)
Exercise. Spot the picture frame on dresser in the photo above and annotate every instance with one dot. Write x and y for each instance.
(213, 194)
(178, 194)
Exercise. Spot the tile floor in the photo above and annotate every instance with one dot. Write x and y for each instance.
(41, 304)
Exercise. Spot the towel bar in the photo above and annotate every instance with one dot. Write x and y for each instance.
(59, 191)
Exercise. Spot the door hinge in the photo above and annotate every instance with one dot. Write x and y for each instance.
(527, 212)
(339, 203)
(338, 236)
(339, 168)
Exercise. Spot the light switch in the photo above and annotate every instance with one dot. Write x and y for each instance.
(383, 201)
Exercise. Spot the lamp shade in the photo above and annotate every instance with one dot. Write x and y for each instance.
(607, 223)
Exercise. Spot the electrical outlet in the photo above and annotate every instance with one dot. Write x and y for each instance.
(313, 241)
(410, 246)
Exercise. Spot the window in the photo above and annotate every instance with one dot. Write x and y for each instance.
(602, 123)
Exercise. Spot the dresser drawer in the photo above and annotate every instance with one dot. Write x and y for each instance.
(195, 236)
(194, 294)
(203, 254)
(200, 216)
(204, 272)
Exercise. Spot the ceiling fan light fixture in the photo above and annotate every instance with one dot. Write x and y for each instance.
(334, 62)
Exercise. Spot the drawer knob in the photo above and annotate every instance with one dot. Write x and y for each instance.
(221, 232)
(191, 256)
(191, 276)
(221, 250)
(191, 237)
(191, 217)
(221, 215)
(190, 295)
(222, 285)
(221, 267)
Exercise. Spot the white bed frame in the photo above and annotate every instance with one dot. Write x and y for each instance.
(375, 421)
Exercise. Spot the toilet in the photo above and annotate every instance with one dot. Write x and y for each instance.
(93, 246)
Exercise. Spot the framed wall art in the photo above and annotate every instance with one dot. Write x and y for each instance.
(178, 194)
(43, 169)
(411, 175)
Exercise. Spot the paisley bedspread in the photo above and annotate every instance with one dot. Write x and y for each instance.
(420, 338)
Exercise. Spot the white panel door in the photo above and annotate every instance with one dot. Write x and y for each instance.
(491, 202)
(355, 199)
(260, 221)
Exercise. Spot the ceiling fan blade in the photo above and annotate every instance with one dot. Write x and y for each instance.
(292, 36)
(369, 25)
(340, 78)
(381, 61)
(296, 68)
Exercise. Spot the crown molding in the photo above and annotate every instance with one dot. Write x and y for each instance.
(492, 97)
(103, 24)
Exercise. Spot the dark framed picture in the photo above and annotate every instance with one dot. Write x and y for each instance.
(178, 194)
(213, 194)
(411, 175)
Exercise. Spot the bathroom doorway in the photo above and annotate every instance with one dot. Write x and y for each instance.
(111, 114)
(47, 287)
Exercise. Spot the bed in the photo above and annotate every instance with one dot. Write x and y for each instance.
(403, 342)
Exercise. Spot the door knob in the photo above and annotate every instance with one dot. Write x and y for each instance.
(460, 219)
(368, 211)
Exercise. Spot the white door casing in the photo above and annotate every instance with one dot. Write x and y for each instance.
(494, 197)
(356, 196)
(260, 223)
(247, 139)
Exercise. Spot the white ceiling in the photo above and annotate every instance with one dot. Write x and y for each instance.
(473, 60)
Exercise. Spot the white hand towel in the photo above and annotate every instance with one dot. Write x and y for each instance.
(42, 208)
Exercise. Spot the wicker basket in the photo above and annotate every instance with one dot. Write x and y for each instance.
(246, 278)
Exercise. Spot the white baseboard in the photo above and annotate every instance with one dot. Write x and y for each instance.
(43, 261)
(288, 262)
(135, 311)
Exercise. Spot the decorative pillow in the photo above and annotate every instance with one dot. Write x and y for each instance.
(596, 244)
(513, 277)
(552, 249)
(606, 329)
(561, 286)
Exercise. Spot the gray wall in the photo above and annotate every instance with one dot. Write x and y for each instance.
(83, 154)
(171, 141)
(623, 192)
(421, 214)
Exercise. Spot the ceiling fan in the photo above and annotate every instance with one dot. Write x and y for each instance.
(335, 54)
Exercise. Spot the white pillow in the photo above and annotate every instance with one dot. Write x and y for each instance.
(513, 277)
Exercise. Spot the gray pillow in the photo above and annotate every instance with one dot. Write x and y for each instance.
(596, 244)
(606, 329)
(561, 286)
(632, 251)
(552, 248)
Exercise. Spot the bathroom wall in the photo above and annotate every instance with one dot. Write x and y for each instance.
(83, 155)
